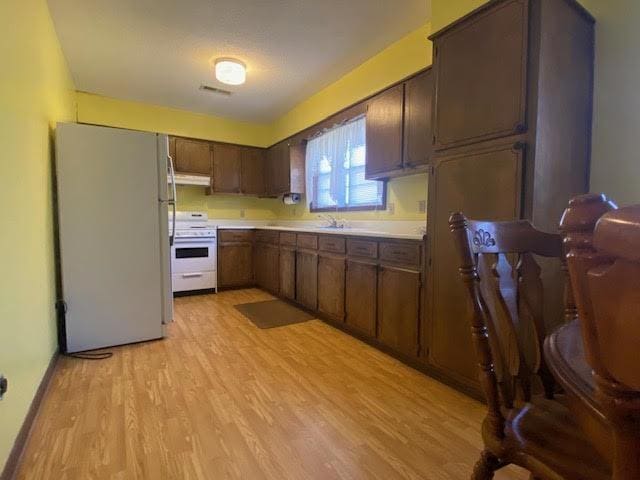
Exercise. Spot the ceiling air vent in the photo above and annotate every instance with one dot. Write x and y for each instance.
(219, 91)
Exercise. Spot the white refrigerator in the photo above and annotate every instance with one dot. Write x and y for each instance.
(114, 239)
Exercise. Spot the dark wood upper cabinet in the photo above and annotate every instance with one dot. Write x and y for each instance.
(361, 296)
(307, 278)
(331, 285)
(417, 120)
(285, 168)
(192, 156)
(226, 168)
(277, 169)
(253, 162)
(481, 76)
(399, 309)
(385, 132)
(484, 184)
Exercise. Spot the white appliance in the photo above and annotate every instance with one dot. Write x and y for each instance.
(113, 200)
(193, 254)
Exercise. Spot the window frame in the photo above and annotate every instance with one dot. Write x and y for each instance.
(355, 208)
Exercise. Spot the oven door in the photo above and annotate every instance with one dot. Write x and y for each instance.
(193, 255)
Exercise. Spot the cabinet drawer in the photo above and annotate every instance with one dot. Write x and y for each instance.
(235, 235)
(288, 238)
(267, 236)
(404, 253)
(306, 240)
(332, 244)
(362, 248)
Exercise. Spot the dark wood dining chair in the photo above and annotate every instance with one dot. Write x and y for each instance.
(527, 423)
(604, 266)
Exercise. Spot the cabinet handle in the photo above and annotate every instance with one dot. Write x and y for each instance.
(521, 128)
(191, 275)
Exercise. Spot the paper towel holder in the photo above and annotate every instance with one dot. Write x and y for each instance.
(291, 198)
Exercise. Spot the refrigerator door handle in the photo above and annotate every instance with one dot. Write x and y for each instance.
(172, 201)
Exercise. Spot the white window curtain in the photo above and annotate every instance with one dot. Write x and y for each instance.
(335, 167)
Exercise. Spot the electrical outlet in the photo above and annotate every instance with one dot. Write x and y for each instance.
(4, 385)
(422, 206)
(391, 208)
(242, 213)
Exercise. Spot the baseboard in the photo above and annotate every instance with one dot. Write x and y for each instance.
(11, 467)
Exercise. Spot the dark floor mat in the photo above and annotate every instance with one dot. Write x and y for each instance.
(273, 313)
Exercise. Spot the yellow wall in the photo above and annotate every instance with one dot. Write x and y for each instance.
(615, 163)
(403, 195)
(192, 198)
(140, 116)
(143, 116)
(36, 90)
(401, 59)
(443, 12)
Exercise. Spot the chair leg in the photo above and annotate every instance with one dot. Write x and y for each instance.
(486, 466)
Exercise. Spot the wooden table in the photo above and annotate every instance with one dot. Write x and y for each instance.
(564, 353)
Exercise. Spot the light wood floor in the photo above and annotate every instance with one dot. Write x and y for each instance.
(222, 399)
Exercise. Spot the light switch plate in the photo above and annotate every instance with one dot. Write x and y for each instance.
(242, 213)
(422, 206)
(391, 208)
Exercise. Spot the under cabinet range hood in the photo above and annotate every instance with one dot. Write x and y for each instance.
(185, 179)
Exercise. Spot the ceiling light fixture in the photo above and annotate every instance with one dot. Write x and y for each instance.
(230, 71)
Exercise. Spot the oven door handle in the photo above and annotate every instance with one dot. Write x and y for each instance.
(192, 275)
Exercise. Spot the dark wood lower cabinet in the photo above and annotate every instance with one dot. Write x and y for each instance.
(288, 273)
(235, 265)
(361, 296)
(307, 278)
(486, 184)
(399, 309)
(331, 285)
(267, 266)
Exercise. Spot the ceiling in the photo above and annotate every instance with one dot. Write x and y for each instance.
(161, 51)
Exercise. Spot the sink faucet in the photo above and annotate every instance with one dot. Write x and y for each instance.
(332, 221)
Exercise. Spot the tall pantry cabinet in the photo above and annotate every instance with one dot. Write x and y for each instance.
(512, 112)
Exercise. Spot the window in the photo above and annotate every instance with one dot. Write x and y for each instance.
(335, 163)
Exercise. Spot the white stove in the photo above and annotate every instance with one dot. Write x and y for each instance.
(193, 254)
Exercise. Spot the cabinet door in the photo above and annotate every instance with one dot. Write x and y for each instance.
(259, 265)
(418, 136)
(399, 309)
(278, 169)
(235, 265)
(288, 273)
(361, 296)
(483, 185)
(226, 168)
(384, 132)
(307, 279)
(192, 156)
(331, 278)
(172, 148)
(481, 76)
(269, 261)
(253, 162)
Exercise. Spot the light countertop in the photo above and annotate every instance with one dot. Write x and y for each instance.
(405, 231)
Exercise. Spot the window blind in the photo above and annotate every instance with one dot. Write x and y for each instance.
(335, 168)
